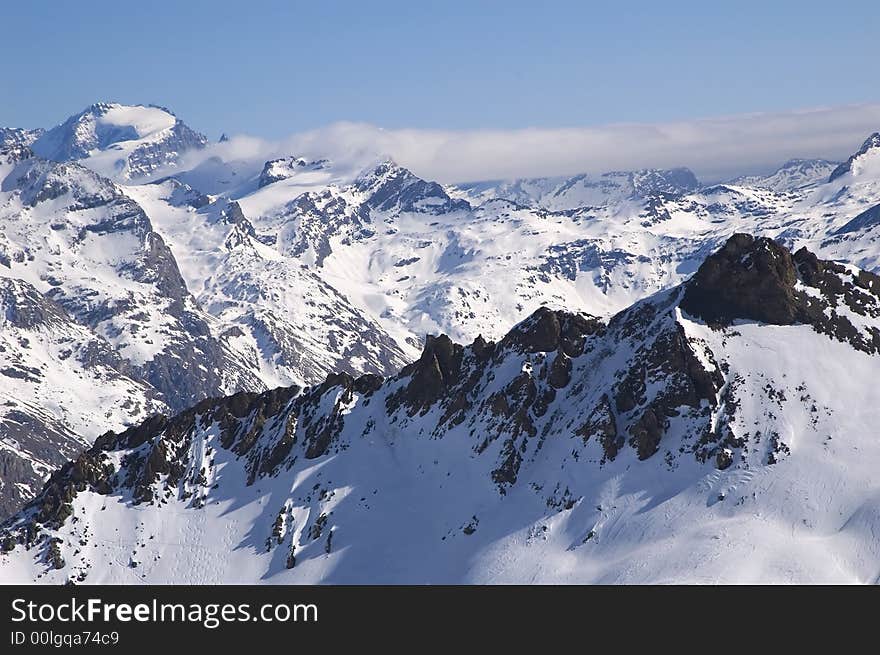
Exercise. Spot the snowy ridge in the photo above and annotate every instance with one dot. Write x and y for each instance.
(870, 151)
(650, 448)
(10, 137)
(561, 193)
(792, 175)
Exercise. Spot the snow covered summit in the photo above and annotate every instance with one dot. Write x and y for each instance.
(120, 141)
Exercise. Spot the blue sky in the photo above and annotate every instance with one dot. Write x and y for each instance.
(271, 69)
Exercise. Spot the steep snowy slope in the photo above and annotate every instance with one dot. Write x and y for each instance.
(848, 227)
(82, 243)
(864, 159)
(120, 141)
(295, 326)
(60, 387)
(720, 431)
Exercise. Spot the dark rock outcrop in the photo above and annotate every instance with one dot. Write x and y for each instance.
(748, 278)
(547, 330)
(755, 279)
(437, 369)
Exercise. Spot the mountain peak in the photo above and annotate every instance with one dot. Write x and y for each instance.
(748, 278)
(792, 175)
(120, 140)
(284, 168)
(870, 143)
(757, 279)
(389, 186)
(655, 181)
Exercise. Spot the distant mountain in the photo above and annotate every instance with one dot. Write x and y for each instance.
(686, 439)
(558, 193)
(110, 270)
(792, 175)
(389, 187)
(120, 141)
(283, 169)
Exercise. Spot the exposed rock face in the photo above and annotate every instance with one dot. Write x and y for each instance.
(757, 279)
(314, 218)
(276, 170)
(848, 304)
(391, 187)
(547, 330)
(437, 370)
(747, 278)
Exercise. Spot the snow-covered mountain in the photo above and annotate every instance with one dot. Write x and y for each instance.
(792, 175)
(100, 330)
(120, 141)
(864, 157)
(82, 243)
(297, 326)
(160, 283)
(258, 319)
(686, 439)
(61, 386)
(75, 240)
(562, 193)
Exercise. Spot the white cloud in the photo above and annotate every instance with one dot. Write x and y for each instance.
(714, 148)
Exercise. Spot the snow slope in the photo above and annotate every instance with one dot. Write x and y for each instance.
(296, 326)
(792, 175)
(110, 333)
(60, 387)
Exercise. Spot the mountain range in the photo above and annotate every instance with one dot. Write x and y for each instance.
(301, 371)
